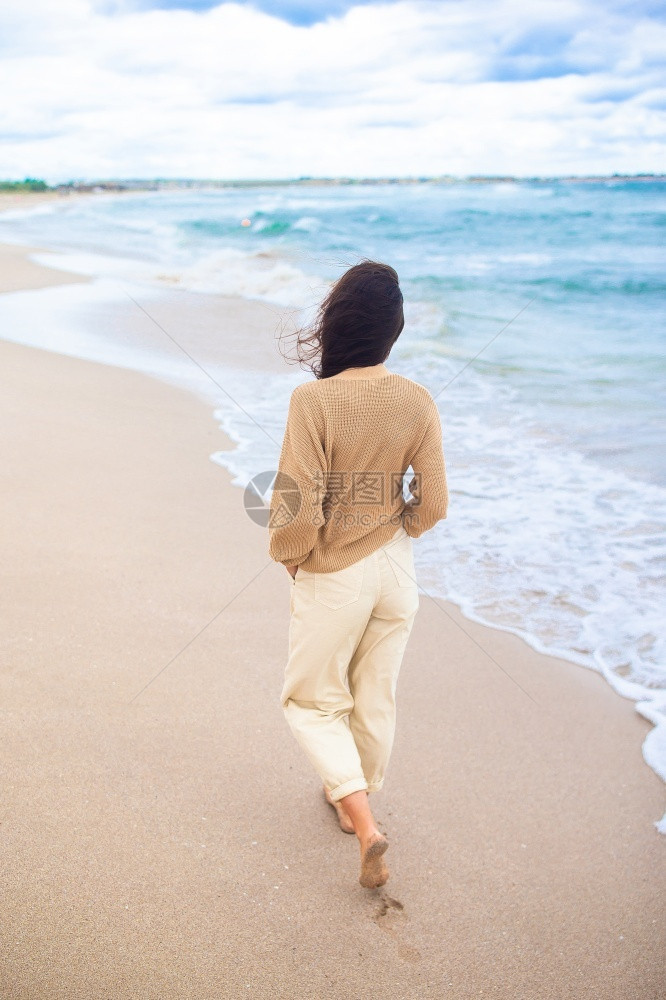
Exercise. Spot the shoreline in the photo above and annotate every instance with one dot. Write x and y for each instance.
(228, 322)
(239, 314)
(18, 273)
(26, 200)
(160, 806)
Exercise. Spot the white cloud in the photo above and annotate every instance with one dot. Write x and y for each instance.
(413, 87)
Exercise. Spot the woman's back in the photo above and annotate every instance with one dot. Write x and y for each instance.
(348, 442)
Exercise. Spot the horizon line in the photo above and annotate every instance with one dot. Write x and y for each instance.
(324, 179)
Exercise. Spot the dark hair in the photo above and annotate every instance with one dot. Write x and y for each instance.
(357, 324)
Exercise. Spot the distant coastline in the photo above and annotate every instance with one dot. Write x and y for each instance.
(32, 185)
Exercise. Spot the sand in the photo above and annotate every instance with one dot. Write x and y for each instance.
(171, 840)
(18, 272)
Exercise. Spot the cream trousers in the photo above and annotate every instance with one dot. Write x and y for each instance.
(347, 636)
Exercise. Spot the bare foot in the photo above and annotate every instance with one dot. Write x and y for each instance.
(373, 870)
(346, 824)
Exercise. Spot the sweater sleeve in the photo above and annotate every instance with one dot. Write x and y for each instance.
(428, 486)
(295, 513)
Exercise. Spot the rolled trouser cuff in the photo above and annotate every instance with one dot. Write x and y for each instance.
(353, 785)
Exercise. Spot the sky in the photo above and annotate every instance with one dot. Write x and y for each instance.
(100, 89)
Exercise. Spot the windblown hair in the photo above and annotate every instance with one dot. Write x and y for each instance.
(357, 324)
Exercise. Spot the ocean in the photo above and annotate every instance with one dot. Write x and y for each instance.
(535, 317)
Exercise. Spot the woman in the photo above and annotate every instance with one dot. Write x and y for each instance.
(340, 524)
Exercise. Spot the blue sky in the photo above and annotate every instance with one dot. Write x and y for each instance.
(284, 88)
(296, 12)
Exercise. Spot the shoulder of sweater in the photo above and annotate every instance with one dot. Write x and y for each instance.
(419, 389)
(305, 398)
(302, 392)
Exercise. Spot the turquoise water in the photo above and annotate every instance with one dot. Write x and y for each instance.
(586, 259)
(535, 316)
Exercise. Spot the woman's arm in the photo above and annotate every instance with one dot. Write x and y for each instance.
(428, 486)
(295, 513)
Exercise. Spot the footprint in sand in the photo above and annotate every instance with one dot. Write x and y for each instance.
(391, 917)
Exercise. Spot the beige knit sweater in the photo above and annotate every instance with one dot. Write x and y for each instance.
(348, 442)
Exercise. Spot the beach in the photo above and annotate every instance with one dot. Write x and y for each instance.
(164, 836)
